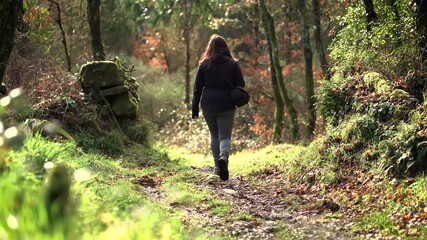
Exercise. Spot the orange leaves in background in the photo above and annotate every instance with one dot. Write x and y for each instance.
(34, 13)
(148, 50)
(259, 126)
(286, 70)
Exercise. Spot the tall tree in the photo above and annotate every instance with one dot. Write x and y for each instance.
(308, 59)
(371, 15)
(186, 25)
(10, 12)
(58, 20)
(287, 9)
(253, 16)
(275, 63)
(421, 20)
(318, 39)
(279, 110)
(94, 19)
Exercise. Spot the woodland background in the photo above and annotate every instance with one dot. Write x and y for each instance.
(343, 81)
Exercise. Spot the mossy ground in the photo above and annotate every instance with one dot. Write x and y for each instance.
(103, 201)
(281, 191)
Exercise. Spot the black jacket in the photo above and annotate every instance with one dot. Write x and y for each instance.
(213, 85)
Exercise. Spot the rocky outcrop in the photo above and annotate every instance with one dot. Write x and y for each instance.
(102, 74)
(110, 79)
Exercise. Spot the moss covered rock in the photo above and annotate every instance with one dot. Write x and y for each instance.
(115, 90)
(398, 94)
(125, 105)
(378, 82)
(103, 74)
(358, 127)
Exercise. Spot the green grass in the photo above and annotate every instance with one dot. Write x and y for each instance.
(294, 161)
(379, 220)
(419, 189)
(245, 162)
(243, 217)
(219, 207)
(102, 201)
(180, 189)
(105, 203)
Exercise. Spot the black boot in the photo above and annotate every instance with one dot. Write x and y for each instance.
(223, 167)
(216, 167)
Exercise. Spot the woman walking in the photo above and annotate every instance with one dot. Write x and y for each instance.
(216, 77)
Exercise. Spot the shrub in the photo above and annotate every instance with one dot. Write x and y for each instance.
(390, 48)
(161, 94)
(333, 99)
(405, 151)
(38, 152)
(12, 135)
(137, 130)
(359, 128)
(56, 206)
(110, 143)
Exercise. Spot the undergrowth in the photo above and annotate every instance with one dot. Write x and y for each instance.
(99, 199)
(59, 190)
(194, 135)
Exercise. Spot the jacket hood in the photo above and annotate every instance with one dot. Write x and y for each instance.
(221, 55)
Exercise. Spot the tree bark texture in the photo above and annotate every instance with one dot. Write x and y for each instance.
(64, 38)
(421, 19)
(187, 29)
(254, 18)
(10, 12)
(309, 82)
(371, 15)
(166, 54)
(94, 19)
(271, 37)
(318, 40)
(287, 8)
(279, 111)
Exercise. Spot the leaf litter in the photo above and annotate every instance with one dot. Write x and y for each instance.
(258, 209)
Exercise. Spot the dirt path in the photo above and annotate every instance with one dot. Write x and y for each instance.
(256, 213)
(266, 204)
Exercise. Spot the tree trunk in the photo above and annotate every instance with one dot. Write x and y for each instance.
(94, 19)
(187, 29)
(10, 11)
(371, 15)
(254, 17)
(279, 111)
(64, 38)
(287, 8)
(318, 39)
(275, 62)
(421, 19)
(166, 57)
(309, 83)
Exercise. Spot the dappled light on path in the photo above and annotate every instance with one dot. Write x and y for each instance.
(244, 207)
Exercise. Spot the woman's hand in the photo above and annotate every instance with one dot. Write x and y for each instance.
(195, 112)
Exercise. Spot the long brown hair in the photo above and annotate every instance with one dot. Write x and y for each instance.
(215, 43)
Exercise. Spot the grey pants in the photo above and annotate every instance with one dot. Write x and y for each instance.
(220, 126)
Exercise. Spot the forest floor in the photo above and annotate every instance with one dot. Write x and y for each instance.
(255, 203)
(158, 192)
